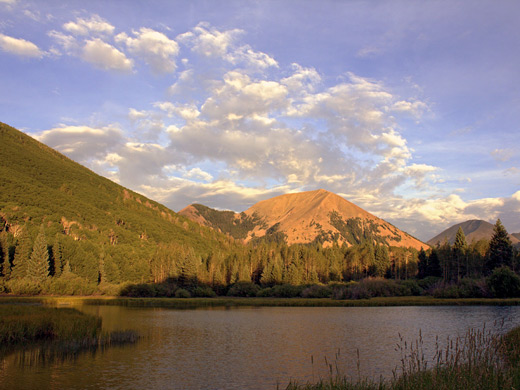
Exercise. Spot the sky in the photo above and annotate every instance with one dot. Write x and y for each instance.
(409, 109)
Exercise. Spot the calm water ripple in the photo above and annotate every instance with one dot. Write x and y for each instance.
(251, 348)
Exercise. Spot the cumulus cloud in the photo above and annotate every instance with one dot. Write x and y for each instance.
(231, 134)
(153, 47)
(20, 47)
(208, 41)
(105, 56)
(93, 25)
(83, 143)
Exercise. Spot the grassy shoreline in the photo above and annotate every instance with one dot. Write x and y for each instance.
(188, 303)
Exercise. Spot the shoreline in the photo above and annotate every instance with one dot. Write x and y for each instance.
(192, 303)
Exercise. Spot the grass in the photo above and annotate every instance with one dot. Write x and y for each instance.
(51, 333)
(479, 360)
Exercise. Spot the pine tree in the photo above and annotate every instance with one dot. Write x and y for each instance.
(38, 264)
(58, 256)
(21, 256)
(460, 248)
(5, 243)
(500, 250)
(381, 260)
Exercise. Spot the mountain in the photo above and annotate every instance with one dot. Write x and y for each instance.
(474, 230)
(303, 218)
(93, 219)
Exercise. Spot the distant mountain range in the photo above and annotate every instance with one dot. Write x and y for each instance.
(303, 218)
(474, 230)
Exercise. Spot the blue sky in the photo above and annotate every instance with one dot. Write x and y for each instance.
(408, 109)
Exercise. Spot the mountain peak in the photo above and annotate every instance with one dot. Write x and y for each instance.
(304, 217)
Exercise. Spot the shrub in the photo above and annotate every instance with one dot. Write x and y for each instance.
(265, 292)
(182, 293)
(504, 283)
(410, 287)
(203, 291)
(287, 291)
(317, 291)
(23, 287)
(243, 289)
(70, 285)
(139, 291)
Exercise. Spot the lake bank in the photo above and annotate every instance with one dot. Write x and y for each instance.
(187, 303)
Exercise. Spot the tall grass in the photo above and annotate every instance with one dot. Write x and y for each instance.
(46, 334)
(479, 360)
(27, 323)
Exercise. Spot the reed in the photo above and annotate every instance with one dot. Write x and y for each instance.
(46, 334)
(480, 359)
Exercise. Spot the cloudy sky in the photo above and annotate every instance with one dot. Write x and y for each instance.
(409, 109)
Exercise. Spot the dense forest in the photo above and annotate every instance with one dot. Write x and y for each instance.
(33, 262)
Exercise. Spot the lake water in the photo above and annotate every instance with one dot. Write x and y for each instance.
(250, 348)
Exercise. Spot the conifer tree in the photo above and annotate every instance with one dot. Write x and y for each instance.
(460, 248)
(381, 260)
(38, 264)
(500, 250)
(21, 256)
(58, 256)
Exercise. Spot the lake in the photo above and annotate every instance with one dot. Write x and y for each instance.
(251, 348)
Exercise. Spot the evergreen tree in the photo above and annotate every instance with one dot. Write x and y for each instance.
(500, 250)
(460, 249)
(7, 248)
(434, 266)
(188, 269)
(38, 264)
(57, 254)
(423, 264)
(381, 260)
(21, 256)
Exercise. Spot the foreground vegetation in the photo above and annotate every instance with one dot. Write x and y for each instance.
(480, 360)
(55, 333)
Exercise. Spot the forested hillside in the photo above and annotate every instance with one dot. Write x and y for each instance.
(93, 227)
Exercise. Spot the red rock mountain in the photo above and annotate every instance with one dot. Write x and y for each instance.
(302, 218)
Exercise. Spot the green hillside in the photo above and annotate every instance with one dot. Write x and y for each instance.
(100, 228)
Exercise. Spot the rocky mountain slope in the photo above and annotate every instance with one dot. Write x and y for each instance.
(302, 218)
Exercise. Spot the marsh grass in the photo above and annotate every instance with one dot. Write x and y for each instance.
(46, 334)
(481, 359)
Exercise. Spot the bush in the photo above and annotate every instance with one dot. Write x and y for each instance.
(203, 291)
(243, 289)
(139, 291)
(182, 293)
(70, 285)
(317, 291)
(265, 292)
(287, 291)
(410, 287)
(504, 283)
(23, 287)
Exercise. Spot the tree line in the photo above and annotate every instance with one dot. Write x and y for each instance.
(35, 263)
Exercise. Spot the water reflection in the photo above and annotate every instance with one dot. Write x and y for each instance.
(252, 348)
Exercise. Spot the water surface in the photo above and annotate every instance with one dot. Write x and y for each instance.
(251, 348)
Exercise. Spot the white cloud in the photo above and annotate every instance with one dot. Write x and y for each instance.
(82, 143)
(94, 25)
(208, 41)
(20, 47)
(105, 56)
(155, 48)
